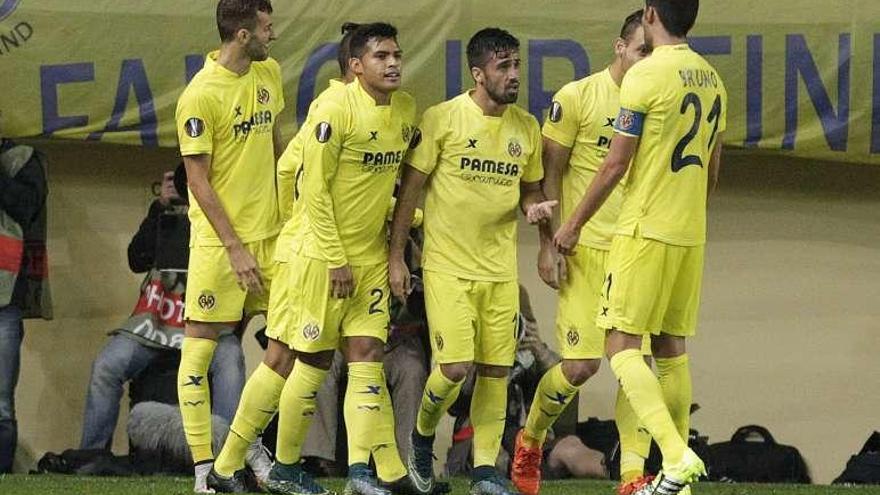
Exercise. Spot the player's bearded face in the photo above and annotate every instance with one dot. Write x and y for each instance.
(501, 77)
(257, 46)
(380, 66)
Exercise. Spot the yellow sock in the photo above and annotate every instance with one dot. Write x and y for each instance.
(553, 394)
(674, 375)
(259, 401)
(364, 415)
(389, 467)
(643, 392)
(194, 395)
(440, 393)
(488, 411)
(635, 441)
(296, 410)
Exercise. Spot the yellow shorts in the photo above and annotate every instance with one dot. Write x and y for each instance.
(319, 322)
(471, 320)
(576, 331)
(213, 294)
(651, 287)
(278, 323)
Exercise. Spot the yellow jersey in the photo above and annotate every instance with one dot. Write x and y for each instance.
(231, 117)
(476, 163)
(351, 158)
(581, 118)
(290, 176)
(676, 103)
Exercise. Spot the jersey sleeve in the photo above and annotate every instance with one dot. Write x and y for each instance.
(427, 143)
(321, 149)
(195, 123)
(534, 171)
(637, 96)
(563, 119)
(288, 165)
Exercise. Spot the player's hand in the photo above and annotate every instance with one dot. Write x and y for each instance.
(245, 267)
(398, 278)
(541, 212)
(341, 282)
(566, 239)
(552, 267)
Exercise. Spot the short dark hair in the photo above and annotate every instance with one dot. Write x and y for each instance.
(487, 42)
(365, 32)
(631, 23)
(233, 15)
(347, 29)
(677, 16)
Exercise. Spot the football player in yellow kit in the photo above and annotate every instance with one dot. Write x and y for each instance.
(227, 121)
(482, 154)
(673, 112)
(338, 260)
(577, 135)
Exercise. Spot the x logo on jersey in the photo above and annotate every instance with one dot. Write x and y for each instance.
(559, 398)
(238, 112)
(604, 311)
(194, 380)
(609, 122)
(472, 143)
(374, 135)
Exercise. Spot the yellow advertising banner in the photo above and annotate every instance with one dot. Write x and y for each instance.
(803, 76)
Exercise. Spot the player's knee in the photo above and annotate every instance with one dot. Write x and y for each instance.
(456, 372)
(578, 371)
(364, 350)
(321, 360)
(493, 371)
(279, 358)
(668, 346)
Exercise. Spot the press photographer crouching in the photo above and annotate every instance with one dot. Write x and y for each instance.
(145, 348)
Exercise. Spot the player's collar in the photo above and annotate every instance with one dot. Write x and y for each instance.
(670, 48)
(472, 104)
(212, 64)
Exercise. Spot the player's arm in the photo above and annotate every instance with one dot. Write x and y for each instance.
(714, 165)
(537, 208)
(551, 266)
(418, 214)
(421, 160)
(198, 169)
(623, 148)
(321, 151)
(411, 185)
(195, 132)
(277, 140)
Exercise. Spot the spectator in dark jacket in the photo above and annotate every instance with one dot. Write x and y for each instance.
(22, 272)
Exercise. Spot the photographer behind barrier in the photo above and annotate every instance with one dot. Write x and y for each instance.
(24, 290)
(154, 331)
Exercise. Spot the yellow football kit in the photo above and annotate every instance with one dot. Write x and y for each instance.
(476, 163)
(351, 159)
(581, 118)
(676, 103)
(231, 117)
